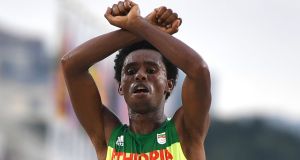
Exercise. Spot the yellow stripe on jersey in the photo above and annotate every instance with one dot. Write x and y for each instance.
(173, 152)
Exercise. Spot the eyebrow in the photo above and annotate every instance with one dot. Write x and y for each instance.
(151, 63)
(146, 62)
(130, 64)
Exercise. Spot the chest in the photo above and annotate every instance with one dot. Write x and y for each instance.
(160, 145)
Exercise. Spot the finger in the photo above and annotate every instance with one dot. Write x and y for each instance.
(115, 10)
(157, 9)
(175, 30)
(170, 19)
(172, 30)
(175, 25)
(151, 17)
(160, 12)
(127, 5)
(108, 14)
(134, 7)
(165, 16)
(132, 3)
(121, 8)
(180, 21)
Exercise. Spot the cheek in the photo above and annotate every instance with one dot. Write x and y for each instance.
(160, 82)
(162, 77)
(125, 82)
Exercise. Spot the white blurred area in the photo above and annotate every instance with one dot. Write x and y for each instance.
(252, 48)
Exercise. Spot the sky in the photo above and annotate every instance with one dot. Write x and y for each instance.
(251, 46)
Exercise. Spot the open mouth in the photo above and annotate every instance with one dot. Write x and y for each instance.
(140, 89)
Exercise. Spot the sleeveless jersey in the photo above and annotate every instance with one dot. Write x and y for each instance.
(161, 144)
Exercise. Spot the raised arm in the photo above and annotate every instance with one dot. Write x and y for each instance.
(95, 118)
(193, 116)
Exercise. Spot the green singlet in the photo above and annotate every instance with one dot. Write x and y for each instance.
(161, 144)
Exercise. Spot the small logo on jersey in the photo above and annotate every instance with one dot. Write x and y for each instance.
(161, 138)
(120, 141)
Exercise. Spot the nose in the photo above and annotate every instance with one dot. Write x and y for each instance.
(140, 76)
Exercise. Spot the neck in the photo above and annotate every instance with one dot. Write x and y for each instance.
(144, 123)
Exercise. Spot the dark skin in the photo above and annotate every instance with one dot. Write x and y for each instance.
(141, 67)
(145, 109)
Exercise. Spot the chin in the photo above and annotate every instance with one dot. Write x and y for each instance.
(140, 110)
(141, 105)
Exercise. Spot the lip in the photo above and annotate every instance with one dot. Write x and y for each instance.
(140, 95)
(140, 86)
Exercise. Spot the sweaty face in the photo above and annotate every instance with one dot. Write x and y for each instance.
(144, 81)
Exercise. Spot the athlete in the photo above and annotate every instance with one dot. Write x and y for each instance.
(146, 76)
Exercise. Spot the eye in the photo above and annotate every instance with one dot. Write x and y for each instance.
(130, 71)
(151, 70)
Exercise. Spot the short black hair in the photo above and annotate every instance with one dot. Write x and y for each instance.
(172, 70)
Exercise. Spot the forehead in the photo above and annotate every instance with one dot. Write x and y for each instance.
(143, 55)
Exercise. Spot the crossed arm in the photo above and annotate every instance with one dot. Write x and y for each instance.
(96, 119)
(191, 119)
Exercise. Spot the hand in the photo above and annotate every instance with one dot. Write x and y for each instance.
(165, 19)
(121, 9)
(123, 14)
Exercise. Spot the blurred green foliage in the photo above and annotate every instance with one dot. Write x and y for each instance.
(251, 140)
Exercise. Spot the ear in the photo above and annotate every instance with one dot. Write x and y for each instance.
(120, 89)
(170, 85)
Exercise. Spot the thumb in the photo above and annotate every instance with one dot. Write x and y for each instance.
(135, 8)
(175, 26)
(134, 5)
(180, 21)
(176, 23)
(131, 3)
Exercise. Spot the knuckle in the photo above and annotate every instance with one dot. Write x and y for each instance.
(172, 18)
(115, 8)
(165, 16)
(175, 15)
(120, 5)
(126, 5)
(169, 20)
(162, 10)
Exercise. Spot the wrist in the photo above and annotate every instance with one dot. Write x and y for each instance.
(135, 23)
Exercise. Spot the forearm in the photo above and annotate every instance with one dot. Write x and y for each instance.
(84, 56)
(173, 49)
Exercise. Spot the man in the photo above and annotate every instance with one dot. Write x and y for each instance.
(145, 83)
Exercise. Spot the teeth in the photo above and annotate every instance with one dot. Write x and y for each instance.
(139, 89)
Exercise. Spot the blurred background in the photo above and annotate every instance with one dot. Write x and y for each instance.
(252, 49)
